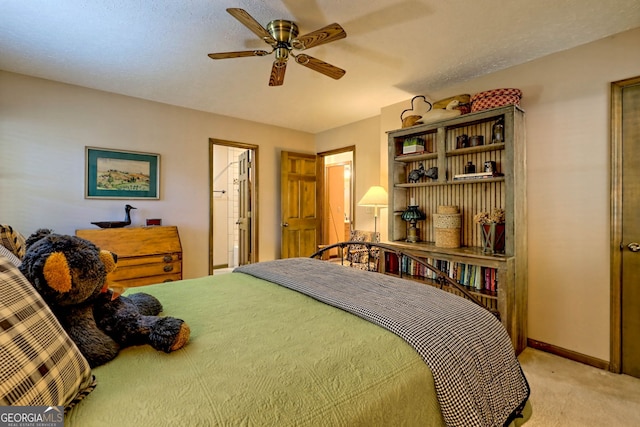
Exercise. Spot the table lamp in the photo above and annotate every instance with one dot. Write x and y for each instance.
(376, 197)
(412, 215)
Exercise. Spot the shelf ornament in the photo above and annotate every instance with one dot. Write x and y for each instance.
(419, 107)
(415, 175)
(412, 215)
(493, 230)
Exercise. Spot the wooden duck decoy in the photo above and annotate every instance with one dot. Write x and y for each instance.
(117, 224)
(441, 113)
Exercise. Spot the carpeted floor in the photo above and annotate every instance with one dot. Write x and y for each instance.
(566, 393)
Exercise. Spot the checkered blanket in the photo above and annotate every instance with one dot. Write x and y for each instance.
(477, 377)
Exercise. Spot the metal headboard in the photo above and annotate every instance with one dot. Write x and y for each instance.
(373, 250)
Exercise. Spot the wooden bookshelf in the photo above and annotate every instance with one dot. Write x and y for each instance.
(507, 191)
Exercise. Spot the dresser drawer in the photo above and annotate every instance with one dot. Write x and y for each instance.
(146, 255)
(130, 268)
(148, 280)
(157, 259)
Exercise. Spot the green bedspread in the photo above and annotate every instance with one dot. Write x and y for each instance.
(262, 355)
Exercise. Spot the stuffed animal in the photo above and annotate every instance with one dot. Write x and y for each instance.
(70, 273)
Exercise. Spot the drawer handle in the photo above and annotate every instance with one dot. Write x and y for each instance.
(167, 258)
(168, 268)
(168, 280)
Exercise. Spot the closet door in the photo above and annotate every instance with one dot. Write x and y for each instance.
(630, 246)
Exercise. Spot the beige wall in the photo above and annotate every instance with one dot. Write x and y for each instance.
(44, 127)
(566, 99)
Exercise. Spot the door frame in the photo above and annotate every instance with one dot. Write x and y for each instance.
(615, 155)
(321, 181)
(254, 241)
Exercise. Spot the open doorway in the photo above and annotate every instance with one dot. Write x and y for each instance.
(232, 205)
(338, 204)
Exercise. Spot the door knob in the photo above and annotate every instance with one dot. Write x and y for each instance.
(634, 247)
(285, 224)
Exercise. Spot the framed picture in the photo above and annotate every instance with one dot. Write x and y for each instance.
(119, 174)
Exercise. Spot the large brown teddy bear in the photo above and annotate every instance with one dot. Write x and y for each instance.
(70, 273)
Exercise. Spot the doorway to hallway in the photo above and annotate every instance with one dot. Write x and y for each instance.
(338, 204)
(233, 205)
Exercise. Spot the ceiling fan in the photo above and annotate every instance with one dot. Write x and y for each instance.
(283, 37)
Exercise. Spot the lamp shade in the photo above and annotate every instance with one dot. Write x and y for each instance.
(412, 214)
(376, 196)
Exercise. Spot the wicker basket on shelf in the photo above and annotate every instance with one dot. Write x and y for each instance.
(447, 223)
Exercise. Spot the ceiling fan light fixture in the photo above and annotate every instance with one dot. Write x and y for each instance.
(282, 55)
(282, 30)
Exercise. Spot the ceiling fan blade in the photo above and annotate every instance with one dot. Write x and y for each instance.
(277, 73)
(320, 66)
(330, 33)
(249, 22)
(239, 54)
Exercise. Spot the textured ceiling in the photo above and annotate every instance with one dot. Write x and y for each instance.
(395, 49)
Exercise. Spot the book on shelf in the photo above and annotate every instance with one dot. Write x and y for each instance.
(391, 262)
(479, 175)
(474, 277)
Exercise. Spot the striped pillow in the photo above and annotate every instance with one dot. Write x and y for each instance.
(10, 256)
(39, 364)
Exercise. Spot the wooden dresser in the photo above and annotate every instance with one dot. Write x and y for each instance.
(146, 255)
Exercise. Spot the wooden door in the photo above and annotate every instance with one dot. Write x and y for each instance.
(244, 208)
(625, 227)
(631, 230)
(298, 195)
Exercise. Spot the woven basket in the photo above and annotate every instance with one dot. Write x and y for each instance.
(447, 223)
(447, 237)
(464, 100)
(447, 220)
(446, 209)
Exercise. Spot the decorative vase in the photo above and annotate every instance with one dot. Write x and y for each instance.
(493, 238)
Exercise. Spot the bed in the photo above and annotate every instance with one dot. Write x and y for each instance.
(269, 346)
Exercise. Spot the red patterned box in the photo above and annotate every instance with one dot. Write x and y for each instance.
(495, 98)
